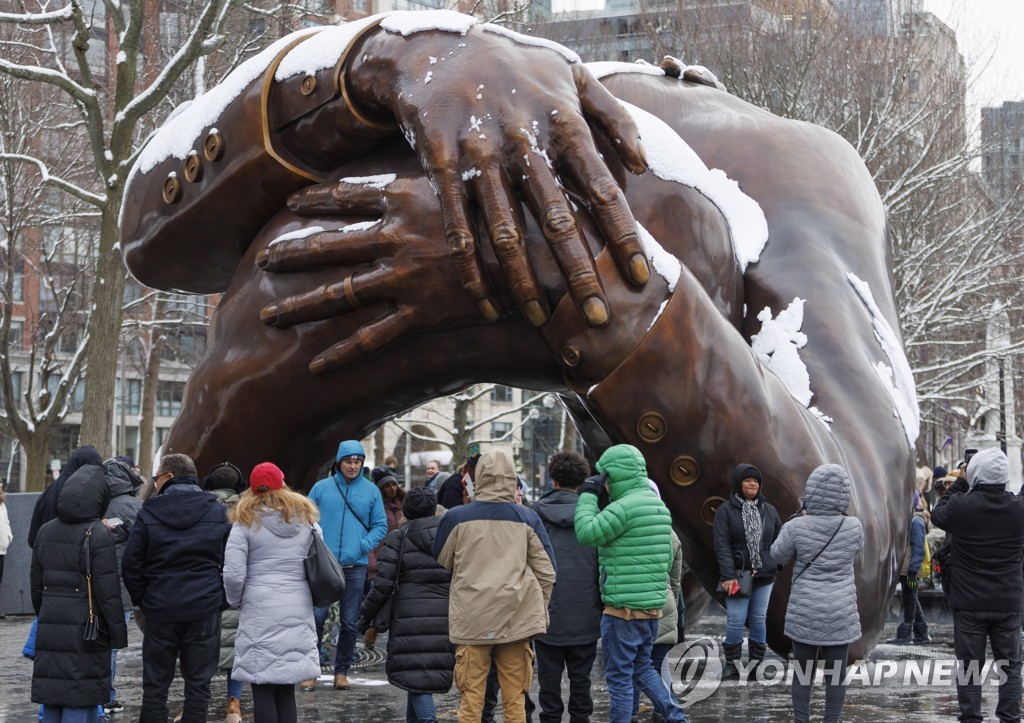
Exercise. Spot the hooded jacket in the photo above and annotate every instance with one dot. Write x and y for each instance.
(67, 671)
(575, 609)
(823, 600)
(500, 558)
(350, 530)
(125, 506)
(987, 525)
(175, 552)
(265, 577)
(633, 534)
(420, 657)
(730, 537)
(45, 508)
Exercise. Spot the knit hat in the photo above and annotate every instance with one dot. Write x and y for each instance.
(939, 471)
(350, 448)
(988, 467)
(266, 477)
(419, 502)
(385, 481)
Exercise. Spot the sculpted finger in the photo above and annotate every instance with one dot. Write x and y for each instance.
(368, 339)
(505, 229)
(602, 109)
(611, 211)
(329, 301)
(313, 247)
(360, 196)
(460, 239)
(566, 242)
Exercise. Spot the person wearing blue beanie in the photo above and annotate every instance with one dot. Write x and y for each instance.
(353, 521)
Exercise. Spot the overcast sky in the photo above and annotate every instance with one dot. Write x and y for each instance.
(989, 35)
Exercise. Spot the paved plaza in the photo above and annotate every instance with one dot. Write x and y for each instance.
(372, 700)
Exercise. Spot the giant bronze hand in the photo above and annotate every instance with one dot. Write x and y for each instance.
(489, 135)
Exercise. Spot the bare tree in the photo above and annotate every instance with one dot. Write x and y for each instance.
(118, 68)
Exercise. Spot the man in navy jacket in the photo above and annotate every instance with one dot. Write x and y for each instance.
(172, 571)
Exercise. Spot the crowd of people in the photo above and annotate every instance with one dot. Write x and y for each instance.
(478, 592)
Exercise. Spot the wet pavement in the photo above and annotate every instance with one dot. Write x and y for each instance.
(898, 696)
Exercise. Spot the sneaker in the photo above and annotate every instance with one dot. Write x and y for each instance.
(113, 707)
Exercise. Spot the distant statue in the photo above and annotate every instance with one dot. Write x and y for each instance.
(402, 206)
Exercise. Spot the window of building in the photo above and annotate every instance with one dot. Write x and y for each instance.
(914, 82)
(168, 398)
(77, 396)
(15, 388)
(15, 336)
(501, 393)
(501, 430)
(132, 401)
(1014, 160)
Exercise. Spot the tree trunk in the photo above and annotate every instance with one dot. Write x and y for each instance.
(37, 476)
(378, 446)
(147, 419)
(569, 435)
(460, 435)
(104, 336)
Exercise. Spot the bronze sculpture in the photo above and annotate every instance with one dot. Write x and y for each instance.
(658, 352)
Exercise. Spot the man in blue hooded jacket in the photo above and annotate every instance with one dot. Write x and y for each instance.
(353, 522)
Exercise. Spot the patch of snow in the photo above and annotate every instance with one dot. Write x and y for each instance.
(610, 67)
(433, 60)
(380, 182)
(777, 345)
(527, 40)
(417, 21)
(292, 235)
(665, 264)
(430, 77)
(531, 135)
(322, 51)
(670, 158)
(471, 173)
(898, 379)
(120, 58)
(657, 314)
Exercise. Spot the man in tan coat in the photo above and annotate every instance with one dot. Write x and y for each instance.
(502, 574)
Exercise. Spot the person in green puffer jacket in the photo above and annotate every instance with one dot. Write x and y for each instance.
(633, 537)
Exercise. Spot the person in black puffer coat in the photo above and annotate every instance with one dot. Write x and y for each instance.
(745, 514)
(68, 672)
(45, 508)
(420, 657)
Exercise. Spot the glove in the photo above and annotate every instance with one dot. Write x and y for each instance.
(911, 582)
(593, 485)
(362, 625)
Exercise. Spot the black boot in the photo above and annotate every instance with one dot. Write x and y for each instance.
(921, 636)
(733, 655)
(756, 653)
(902, 635)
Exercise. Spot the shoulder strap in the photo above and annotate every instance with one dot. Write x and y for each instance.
(344, 498)
(829, 542)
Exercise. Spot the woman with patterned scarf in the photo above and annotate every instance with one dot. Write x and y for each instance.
(745, 528)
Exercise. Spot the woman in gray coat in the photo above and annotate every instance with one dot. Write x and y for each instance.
(264, 576)
(822, 618)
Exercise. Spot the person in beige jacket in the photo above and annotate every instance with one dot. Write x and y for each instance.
(503, 572)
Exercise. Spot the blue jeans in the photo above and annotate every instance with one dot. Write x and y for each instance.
(234, 687)
(626, 647)
(113, 662)
(60, 714)
(419, 708)
(348, 614)
(658, 654)
(752, 610)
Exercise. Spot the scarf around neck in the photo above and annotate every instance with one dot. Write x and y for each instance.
(753, 528)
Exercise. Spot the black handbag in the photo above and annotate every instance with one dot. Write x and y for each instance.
(96, 633)
(323, 573)
(746, 581)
